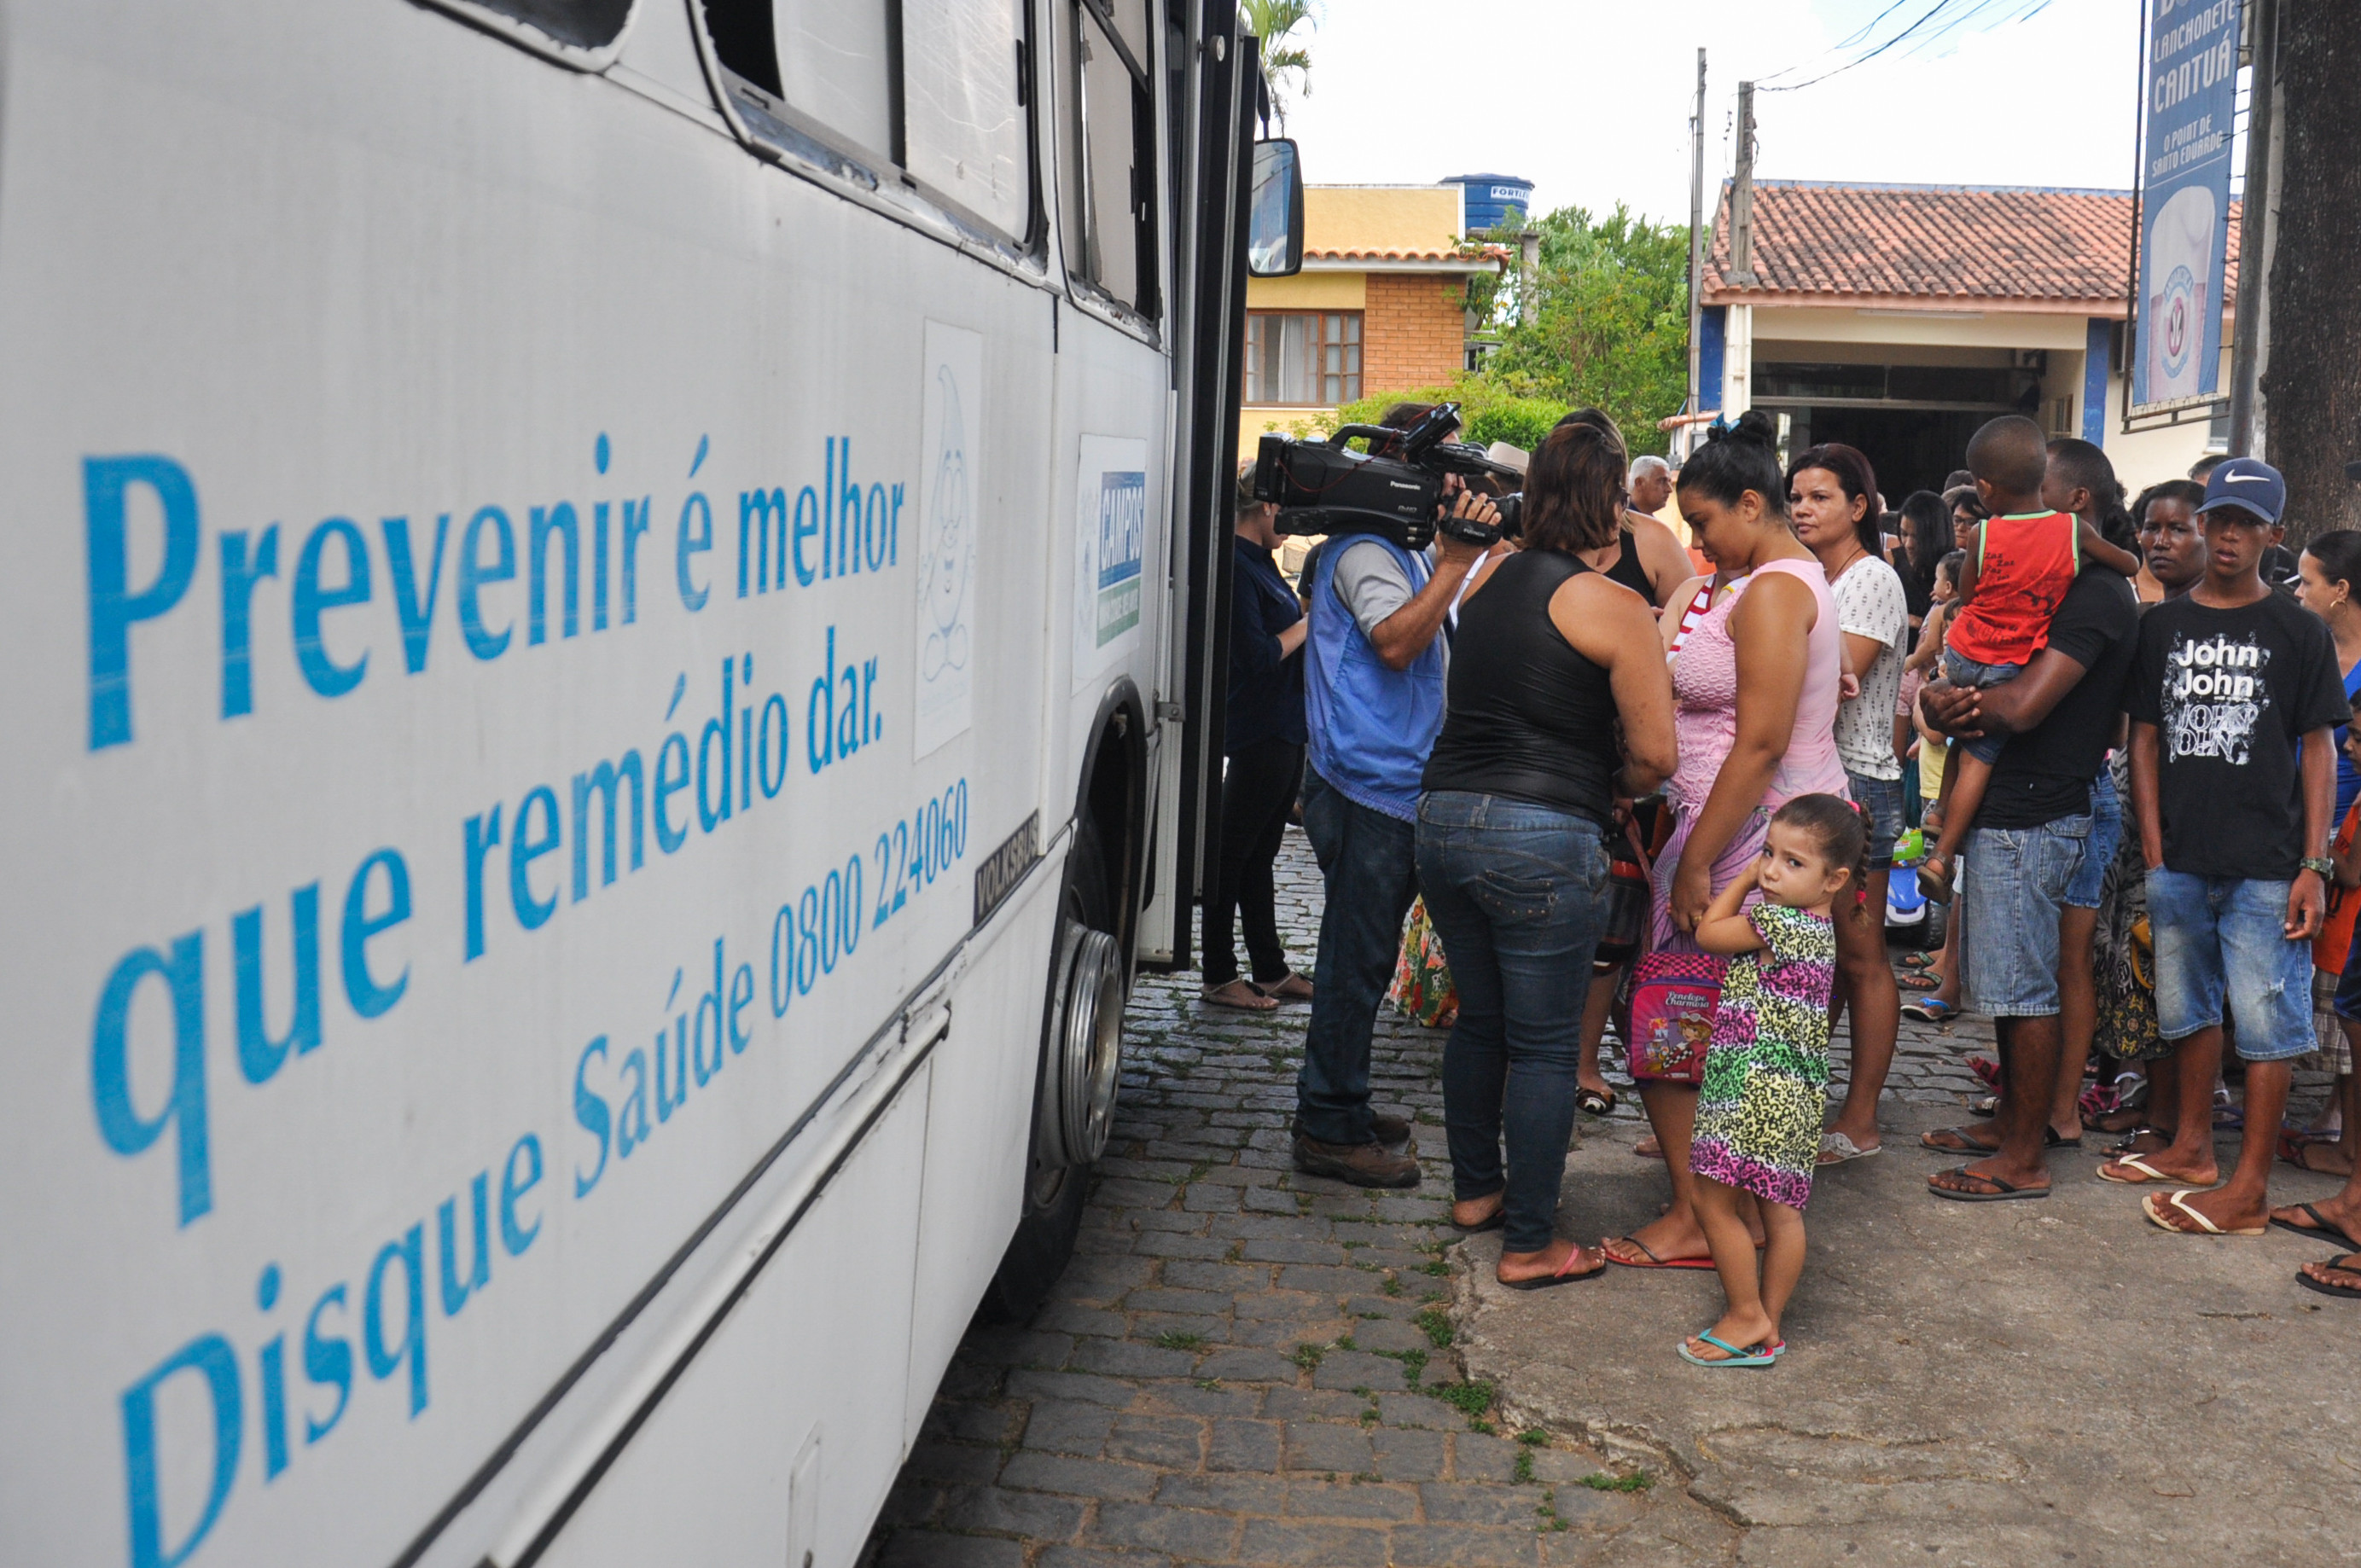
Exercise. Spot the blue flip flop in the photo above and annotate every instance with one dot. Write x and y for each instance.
(1759, 1355)
(1931, 1009)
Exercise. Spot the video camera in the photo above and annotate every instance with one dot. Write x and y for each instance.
(1394, 489)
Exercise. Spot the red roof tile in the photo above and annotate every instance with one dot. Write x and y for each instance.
(1959, 245)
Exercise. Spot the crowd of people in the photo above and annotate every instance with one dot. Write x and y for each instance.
(1659, 789)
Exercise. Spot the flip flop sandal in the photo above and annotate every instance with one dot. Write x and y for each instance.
(1492, 1221)
(1989, 1106)
(1966, 1146)
(1930, 1010)
(1655, 1262)
(1917, 980)
(2051, 1138)
(1985, 1068)
(2293, 1154)
(1551, 1281)
(2349, 1263)
(1921, 961)
(1838, 1150)
(1752, 1355)
(1261, 1003)
(2322, 1227)
(2005, 1193)
(2205, 1227)
(2140, 1163)
(2122, 1146)
(1592, 1103)
(1644, 1152)
(1281, 992)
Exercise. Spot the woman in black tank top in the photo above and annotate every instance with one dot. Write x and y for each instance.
(1549, 659)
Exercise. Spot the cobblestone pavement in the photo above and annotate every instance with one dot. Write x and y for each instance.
(1245, 1365)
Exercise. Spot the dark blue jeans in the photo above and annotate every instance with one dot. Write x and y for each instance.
(1367, 861)
(1517, 893)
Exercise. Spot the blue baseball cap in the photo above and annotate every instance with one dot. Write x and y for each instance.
(2247, 482)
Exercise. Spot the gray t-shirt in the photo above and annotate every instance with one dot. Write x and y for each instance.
(1373, 585)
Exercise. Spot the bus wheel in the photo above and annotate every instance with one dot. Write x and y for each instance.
(1074, 1103)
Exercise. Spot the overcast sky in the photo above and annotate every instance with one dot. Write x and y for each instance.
(1589, 99)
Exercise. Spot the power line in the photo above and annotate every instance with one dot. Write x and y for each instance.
(1859, 34)
(1953, 23)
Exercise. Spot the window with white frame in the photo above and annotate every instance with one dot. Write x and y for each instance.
(1308, 358)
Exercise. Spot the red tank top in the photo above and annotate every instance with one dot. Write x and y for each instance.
(2024, 564)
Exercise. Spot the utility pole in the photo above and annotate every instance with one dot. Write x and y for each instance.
(2258, 233)
(1741, 193)
(2309, 392)
(1696, 246)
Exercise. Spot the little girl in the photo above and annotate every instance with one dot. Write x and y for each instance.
(1766, 1072)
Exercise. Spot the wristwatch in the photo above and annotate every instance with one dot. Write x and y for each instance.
(2320, 864)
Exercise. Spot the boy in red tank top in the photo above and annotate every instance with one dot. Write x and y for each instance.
(2021, 561)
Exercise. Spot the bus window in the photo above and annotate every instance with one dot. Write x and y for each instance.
(963, 99)
(1113, 170)
(830, 64)
(573, 27)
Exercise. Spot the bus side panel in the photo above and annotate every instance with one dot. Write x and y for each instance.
(807, 1361)
(984, 1079)
(497, 366)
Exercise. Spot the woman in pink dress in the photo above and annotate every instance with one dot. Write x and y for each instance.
(1756, 689)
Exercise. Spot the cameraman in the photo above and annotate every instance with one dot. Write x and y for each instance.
(1373, 699)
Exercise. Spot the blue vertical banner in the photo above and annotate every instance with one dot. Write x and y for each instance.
(2191, 79)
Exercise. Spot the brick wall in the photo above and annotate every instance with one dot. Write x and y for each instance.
(1413, 332)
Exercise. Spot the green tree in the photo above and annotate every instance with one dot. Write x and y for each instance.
(1611, 326)
(1275, 22)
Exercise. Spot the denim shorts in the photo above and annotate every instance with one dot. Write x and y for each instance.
(2106, 837)
(2224, 936)
(2013, 888)
(1881, 798)
(1962, 671)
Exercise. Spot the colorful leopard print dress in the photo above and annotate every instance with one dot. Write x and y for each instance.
(1766, 1072)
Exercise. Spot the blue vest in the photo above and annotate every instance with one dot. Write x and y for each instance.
(1371, 727)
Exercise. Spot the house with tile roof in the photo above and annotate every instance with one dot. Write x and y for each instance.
(1379, 307)
(1897, 318)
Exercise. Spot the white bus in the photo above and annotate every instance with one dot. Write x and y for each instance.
(608, 610)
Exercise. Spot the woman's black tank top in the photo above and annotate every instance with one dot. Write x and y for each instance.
(1528, 717)
(1626, 569)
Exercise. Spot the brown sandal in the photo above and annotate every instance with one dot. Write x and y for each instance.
(1226, 995)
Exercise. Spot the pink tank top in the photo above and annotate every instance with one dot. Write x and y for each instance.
(1705, 702)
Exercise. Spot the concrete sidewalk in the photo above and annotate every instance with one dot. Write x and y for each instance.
(2048, 1381)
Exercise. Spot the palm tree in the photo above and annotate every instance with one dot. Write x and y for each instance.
(1273, 21)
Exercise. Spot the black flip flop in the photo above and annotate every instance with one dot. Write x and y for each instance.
(2323, 1231)
(1551, 1281)
(1492, 1221)
(2005, 1194)
(2347, 1262)
(2051, 1139)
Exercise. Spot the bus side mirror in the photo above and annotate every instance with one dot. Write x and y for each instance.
(1275, 217)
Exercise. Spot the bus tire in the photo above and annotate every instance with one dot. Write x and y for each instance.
(1074, 1095)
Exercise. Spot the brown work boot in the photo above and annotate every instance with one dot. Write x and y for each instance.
(1390, 1131)
(1364, 1164)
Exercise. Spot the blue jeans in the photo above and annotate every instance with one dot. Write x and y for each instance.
(2107, 837)
(1962, 671)
(1881, 798)
(1368, 863)
(2016, 885)
(2226, 935)
(1517, 893)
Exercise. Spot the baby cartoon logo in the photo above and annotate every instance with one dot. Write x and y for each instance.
(942, 586)
(950, 498)
(2214, 692)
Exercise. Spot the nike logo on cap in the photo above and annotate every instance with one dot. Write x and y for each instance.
(2246, 479)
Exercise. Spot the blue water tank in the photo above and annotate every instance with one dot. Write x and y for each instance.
(1489, 197)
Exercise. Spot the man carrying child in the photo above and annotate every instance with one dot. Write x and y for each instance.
(2030, 834)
